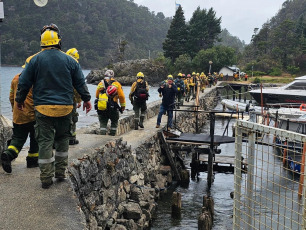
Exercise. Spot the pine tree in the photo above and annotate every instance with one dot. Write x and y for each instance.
(204, 29)
(175, 42)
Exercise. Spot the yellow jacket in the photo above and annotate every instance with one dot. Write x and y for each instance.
(120, 94)
(133, 88)
(27, 115)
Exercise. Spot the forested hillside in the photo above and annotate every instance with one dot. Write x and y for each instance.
(104, 31)
(280, 45)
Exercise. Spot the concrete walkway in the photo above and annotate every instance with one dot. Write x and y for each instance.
(25, 205)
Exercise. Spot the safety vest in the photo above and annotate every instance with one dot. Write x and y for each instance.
(102, 102)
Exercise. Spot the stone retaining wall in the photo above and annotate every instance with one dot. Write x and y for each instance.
(117, 187)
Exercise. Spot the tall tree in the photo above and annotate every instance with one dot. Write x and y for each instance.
(175, 42)
(204, 29)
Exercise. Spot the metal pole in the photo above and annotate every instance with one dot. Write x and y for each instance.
(211, 152)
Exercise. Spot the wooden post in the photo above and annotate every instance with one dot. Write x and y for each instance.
(211, 153)
(208, 202)
(185, 175)
(302, 172)
(176, 205)
(244, 96)
(205, 220)
(239, 94)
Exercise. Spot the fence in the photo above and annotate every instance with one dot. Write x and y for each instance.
(270, 192)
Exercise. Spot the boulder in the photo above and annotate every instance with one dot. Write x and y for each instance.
(126, 71)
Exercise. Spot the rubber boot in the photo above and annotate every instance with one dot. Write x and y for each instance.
(6, 162)
(73, 142)
(32, 162)
(141, 122)
(136, 125)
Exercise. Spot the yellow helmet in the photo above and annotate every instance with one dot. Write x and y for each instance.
(140, 75)
(170, 77)
(180, 75)
(73, 52)
(193, 73)
(198, 74)
(49, 38)
(202, 74)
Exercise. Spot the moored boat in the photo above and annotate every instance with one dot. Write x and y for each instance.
(293, 93)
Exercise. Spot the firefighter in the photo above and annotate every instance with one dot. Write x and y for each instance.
(110, 111)
(73, 52)
(180, 89)
(23, 125)
(54, 75)
(138, 96)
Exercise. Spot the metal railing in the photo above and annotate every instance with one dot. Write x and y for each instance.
(270, 193)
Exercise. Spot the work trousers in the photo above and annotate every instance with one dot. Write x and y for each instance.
(74, 120)
(140, 108)
(191, 92)
(104, 116)
(49, 130)
(162, 110)
(20, 135)
(180, 98)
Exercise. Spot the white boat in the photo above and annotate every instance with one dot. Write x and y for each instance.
(292, 119)
(293, 93)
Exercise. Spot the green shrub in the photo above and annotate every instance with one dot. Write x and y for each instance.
(258, 73)
(292, 69)
(256, 80)
(276, 72)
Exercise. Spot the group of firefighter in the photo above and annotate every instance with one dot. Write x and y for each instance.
(190, 84)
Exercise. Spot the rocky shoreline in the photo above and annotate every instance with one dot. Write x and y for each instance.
(126, 71)
(119, 184)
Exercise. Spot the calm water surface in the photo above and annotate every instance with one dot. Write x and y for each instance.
(8, 73)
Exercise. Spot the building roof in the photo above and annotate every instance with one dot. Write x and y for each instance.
(232, 68)
(1, 11)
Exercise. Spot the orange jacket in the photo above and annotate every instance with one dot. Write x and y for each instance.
(27, 115)
(120, 96)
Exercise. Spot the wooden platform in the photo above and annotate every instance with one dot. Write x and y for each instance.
(199, 139)
(222, 163)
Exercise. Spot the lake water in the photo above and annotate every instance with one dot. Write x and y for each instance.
(8, 73)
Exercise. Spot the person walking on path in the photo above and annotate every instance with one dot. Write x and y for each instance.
(54, 75)
(110, 109)
(168, 92)
(138, 96)
(23, 126)
(246, 76)
(73, 52)
(180, 89)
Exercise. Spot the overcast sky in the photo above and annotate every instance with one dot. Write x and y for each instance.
(239, 17)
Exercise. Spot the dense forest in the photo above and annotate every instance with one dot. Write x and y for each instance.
(280, 45)
(191, 46)
(104, 31)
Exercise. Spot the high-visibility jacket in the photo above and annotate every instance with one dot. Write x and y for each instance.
(120, 94)
(27, 114)
(133, 88)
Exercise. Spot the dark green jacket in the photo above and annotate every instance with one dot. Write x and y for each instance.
(53, 75)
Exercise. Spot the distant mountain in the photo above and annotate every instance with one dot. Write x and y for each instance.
(103, 31)
(226, 39)
(280, 45)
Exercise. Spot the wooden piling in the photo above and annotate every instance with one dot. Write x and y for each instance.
(176, 205)
(185, 175)
(205, 219)
(209, 204)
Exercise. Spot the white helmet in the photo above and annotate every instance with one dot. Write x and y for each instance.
(109, 73)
